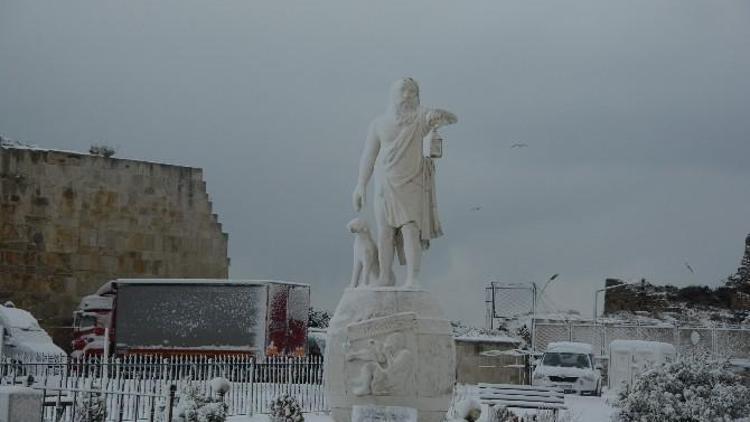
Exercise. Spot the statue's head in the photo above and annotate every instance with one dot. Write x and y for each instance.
(357, 225)
(405, 94)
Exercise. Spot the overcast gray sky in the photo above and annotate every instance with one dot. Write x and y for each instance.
(636, 113)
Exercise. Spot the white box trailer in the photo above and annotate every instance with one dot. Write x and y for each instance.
(630, 358)
(193, 316)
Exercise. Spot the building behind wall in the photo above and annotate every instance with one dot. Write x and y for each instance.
(70, 222)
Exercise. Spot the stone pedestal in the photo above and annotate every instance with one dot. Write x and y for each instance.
(389, 347)
(20, 404)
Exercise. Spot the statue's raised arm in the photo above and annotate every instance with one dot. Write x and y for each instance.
(438, 117)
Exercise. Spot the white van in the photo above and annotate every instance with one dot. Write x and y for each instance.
(22, 335)
(569, 366)
(630, 358)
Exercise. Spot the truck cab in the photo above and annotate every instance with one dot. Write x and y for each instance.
(90, 323)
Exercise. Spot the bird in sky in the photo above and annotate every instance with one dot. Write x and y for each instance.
(689, 267)
(475, 208)
(519, 145)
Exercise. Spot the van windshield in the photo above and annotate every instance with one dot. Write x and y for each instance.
(566, 360)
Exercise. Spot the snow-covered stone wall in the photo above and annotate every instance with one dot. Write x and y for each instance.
(69, 222)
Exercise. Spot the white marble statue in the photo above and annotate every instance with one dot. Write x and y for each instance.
(404, 201)
(366, 268)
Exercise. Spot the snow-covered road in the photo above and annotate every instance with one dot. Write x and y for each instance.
(588, 409)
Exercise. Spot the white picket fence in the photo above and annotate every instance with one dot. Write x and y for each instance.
(137, 387)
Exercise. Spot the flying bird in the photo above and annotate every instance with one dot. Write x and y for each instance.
(475, 208)
(689, 267)
(519, 145)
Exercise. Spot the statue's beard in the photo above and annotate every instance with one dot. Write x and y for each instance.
(405, 111)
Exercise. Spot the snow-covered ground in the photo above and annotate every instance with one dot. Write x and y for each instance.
(264, 418)
(580, 409)
(589, 409)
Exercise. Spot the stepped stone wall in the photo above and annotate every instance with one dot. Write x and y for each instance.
(70, 222)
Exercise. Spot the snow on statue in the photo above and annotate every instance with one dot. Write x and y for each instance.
(404, 201)
(393, 347)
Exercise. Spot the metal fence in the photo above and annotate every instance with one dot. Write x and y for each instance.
(138, 387)
(507, 301)
(719, 342)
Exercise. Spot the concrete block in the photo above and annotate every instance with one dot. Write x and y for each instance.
(20, 404)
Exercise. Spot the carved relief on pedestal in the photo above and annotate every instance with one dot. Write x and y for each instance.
(381, 356)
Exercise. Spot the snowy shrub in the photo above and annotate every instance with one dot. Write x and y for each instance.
(102, 150)
(468, 409)
(197, 407)
(90, 408)
(691, 389)
(502, 414)
(286, 409)
(318, 318)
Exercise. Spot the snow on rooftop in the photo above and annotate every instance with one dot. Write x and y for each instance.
(203, 281)
(13, 144)
(96, 302)
(488, 338)
(12, 317)
(570, 346)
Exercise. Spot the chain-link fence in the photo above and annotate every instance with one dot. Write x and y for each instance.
(719, 342)
(506, 301)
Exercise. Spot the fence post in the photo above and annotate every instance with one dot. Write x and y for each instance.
(252, 386)
(714, 349)
(570, 331)
(638, 329)
(170, 402)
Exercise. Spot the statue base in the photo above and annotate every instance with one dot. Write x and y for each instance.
(389, 346)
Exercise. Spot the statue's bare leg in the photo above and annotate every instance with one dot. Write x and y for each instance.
(413, 252)
(357, 274)
(386, 249)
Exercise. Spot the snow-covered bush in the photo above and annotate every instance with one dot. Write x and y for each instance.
(469, 409)
(502, 414)
(690, 389)
(194, 406)
(90, 408)
(318, 318)
(286, 409)
(102, 150)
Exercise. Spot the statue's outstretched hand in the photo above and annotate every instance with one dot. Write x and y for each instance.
(358, 198)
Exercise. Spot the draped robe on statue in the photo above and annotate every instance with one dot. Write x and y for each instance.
(405, 183)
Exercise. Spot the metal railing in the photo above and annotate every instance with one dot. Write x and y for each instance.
(132, 385)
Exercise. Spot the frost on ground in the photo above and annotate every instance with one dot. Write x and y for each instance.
(309, 417)
(581, 409)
